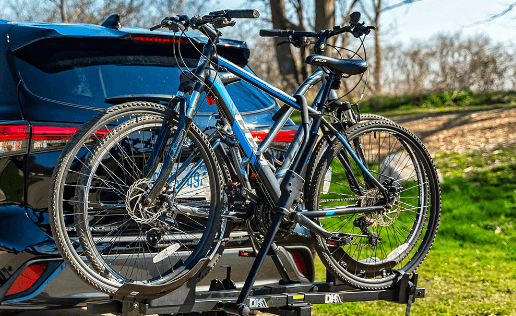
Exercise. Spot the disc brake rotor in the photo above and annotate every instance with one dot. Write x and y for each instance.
(134, 203)
(381, 218)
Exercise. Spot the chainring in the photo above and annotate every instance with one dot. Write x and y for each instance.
(263, 220)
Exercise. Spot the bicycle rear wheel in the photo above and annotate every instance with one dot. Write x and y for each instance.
(384, 244)
(103, 230)
(326, 140)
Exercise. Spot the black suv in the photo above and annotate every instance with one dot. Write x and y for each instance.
(55, 77)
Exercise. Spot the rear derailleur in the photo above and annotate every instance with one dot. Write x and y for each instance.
(363, 224)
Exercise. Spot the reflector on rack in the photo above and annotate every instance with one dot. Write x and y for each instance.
(27, 278)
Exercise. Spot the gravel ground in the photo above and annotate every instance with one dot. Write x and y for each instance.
(470, 130)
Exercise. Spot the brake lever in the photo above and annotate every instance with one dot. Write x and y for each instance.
(299, 41)
(164, 23)
(360, 30)
(223, 23)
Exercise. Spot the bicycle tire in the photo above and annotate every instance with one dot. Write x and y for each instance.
(106, 171)
(325, 141)
(407, 231)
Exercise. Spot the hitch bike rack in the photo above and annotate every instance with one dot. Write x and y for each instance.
(287, 300)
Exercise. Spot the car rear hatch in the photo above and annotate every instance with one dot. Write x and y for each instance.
(74, 69)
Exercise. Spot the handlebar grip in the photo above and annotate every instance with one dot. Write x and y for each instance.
(155, 27)
(242, 14)
(274, 33)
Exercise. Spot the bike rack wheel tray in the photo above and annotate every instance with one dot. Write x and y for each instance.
(292, 299)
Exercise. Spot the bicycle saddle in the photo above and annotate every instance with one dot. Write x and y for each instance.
(345, 66)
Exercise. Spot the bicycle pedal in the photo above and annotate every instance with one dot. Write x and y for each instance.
(339, 239)
(233, 189)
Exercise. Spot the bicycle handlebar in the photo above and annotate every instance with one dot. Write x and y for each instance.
(242, 14)
(287, 33)
(354, 28)
(218, 19)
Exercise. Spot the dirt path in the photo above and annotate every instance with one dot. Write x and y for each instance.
(470, 130)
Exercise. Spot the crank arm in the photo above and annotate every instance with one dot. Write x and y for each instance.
(192, 210)
(304, 221)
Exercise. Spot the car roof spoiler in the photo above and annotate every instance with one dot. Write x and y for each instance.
(26, 33)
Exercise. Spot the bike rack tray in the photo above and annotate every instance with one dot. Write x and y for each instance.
(292, 299)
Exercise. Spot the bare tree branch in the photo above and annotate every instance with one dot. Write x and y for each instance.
(397, 5)
(496, 16)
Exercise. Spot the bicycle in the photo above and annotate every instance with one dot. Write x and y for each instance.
(124, 201)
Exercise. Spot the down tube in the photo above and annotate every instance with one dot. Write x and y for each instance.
(249, 146)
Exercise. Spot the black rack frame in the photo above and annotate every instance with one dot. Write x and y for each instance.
(291, 299)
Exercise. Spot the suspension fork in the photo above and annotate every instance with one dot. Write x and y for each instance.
(159, 146)
(186, 110)
(175, 149)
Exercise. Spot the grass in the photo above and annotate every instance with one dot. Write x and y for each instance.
(435, 102)
(459, 278)
(451, 100)
(471, 269)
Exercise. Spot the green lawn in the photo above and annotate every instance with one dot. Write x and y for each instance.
(435, 102)
(471, 270)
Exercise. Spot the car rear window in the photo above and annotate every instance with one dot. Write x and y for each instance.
(87, 75)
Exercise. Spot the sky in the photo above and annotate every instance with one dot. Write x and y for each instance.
(423, 18)
(426, 18)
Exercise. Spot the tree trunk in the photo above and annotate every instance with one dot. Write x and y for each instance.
(286, 62)
(377, 49)
(62, 8)
(325, 19)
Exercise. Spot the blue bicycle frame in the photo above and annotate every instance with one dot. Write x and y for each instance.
(250, 148)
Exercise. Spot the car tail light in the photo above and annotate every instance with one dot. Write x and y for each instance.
(27, 278)
(283, 136)
(299, 261)
(157, 39)
(14, 139)
(45, 138)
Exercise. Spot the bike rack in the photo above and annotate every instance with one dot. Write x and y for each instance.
(287, 300)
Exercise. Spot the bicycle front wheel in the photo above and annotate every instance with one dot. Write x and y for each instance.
(384, 245)
(104, 230)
